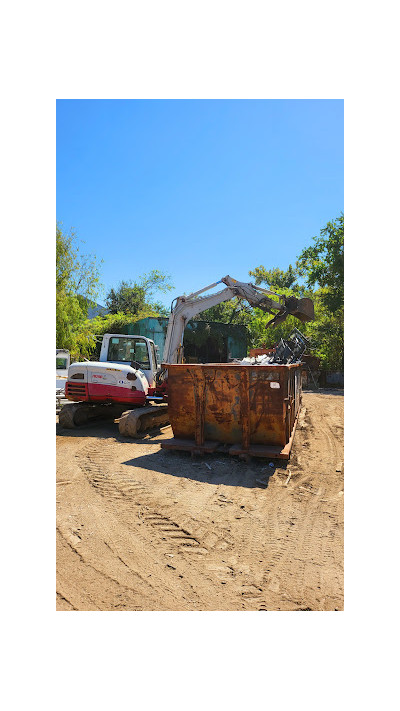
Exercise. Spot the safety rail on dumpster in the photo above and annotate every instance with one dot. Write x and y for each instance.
(238, 409)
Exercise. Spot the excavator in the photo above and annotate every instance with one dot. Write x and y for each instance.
(130, 385)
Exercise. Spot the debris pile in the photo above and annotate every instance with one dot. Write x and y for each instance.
(287, 351)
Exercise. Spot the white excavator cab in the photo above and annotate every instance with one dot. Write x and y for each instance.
(125, 373)
(124, 349)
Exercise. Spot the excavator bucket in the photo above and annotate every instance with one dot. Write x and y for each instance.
(304, 310)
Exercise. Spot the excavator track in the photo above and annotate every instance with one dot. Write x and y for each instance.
(133, 423)
(76, 414)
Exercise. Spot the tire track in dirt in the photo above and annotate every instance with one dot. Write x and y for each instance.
(174, 533)
(138, 503)
(135, 497)
(142, 530)
(295, 541)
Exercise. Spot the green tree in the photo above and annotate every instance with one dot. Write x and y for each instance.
(276, 278)
(77, 284)
(235, 311)
(321, 266)
(110, 323)
(131, 297)
(322, 263)
(326, 333)
(261, 336)
(239, 311)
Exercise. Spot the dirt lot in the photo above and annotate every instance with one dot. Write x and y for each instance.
(141, 528)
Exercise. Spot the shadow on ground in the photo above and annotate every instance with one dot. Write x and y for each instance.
(103, 429)
(209, 469)
(214, 469)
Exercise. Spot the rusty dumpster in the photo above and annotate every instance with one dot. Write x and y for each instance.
(242, 409)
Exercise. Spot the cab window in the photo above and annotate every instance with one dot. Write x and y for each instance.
(123, 350)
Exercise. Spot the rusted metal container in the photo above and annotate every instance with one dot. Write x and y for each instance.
(246, 410)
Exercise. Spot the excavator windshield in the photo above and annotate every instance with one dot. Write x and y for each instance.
(123, 349)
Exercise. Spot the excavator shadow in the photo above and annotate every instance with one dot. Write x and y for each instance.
(107, 428)
(212, 469)
(104, 430)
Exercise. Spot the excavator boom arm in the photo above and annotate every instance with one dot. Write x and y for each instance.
(186, 307)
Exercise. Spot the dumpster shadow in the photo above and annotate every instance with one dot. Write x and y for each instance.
(215, 469)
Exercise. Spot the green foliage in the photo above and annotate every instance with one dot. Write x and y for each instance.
(117, 323)
(276, 278)
(322, 264)
(131, 297)
(235, 311)
(77, 282)
(110, 323)
(262, 336)
(158, 309)
(326, 334)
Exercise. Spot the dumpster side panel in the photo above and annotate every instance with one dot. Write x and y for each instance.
(181, 402)
(223, 405)
(199, 394)
(233, 404)
(267, 391)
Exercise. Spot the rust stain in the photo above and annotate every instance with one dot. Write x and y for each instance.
(233, 404)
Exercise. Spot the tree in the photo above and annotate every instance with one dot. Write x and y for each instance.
(323, 263)
(277, 278)
(235, 311)
(326, 334)
(110, 323)
(132, 297)
(238, 311)
(263, 337)
(77, 284)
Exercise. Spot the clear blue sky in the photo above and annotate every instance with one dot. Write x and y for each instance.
(196, 188)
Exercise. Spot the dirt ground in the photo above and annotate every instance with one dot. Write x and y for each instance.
(141, 528)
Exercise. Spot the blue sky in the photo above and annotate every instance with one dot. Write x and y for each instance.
(197, 188)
